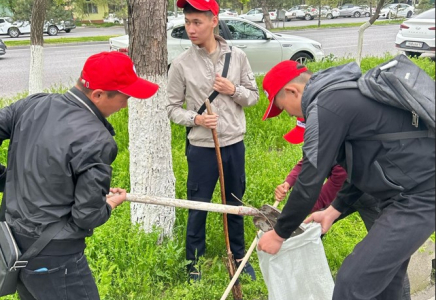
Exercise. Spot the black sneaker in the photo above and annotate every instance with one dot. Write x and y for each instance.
(194, 274)
(248, 269)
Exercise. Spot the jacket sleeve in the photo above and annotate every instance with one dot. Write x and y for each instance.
(293, 175)
(93, 177)
(331, 188)
(325, 133)
(176, 99)
(346, 197)
(247, 93)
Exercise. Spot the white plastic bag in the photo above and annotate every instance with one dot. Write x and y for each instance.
(299, 271)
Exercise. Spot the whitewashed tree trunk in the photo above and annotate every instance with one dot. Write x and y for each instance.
(151, 168)
(36, 69)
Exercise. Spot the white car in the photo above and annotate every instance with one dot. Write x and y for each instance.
(397, 10)
(264, 49)
(417, 35)
(14, 28)
(256, 15)
(228, 12)
(112, 18)
(302, 12)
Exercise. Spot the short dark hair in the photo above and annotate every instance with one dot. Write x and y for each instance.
(303, 78)
(189, 9)
(87, 91)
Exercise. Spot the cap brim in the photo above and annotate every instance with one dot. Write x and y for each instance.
(141, 89)
(295, 136)
(272, 111)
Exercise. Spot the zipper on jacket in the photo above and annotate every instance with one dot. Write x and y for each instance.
(13, 241)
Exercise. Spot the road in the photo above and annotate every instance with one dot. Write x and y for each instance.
(63, 63)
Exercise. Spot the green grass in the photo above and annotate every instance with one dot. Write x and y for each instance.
(103, 38)
(129, 264)
(337, 25)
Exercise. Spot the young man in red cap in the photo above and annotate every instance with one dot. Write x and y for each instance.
(59, 173)
(397, 173)
(193, 76)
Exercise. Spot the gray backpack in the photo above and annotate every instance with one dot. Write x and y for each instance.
(399, 83)
(402, 84)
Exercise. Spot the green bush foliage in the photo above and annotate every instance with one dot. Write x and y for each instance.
(129, 264)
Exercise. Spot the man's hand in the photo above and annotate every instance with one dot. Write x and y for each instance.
(324, 217)
(207, 121)
(281, 191)
(116, 197)
(270, 242)
(224, 86)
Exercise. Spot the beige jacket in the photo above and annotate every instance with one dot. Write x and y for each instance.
(191, 78)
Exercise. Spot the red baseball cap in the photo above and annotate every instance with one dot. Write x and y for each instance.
(296, 135)
(114, 71)
(275, 80)
(203, 5)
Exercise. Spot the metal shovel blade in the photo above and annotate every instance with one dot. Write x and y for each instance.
(267, 218)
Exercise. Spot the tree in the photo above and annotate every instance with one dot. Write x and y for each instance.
(266, 18)
(39, 11)
(364, 26)
(151, 170)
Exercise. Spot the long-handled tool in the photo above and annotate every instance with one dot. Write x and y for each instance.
(230, 262)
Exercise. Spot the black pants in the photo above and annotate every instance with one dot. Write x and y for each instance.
(202, 178)
(67, 277)
(377, 266)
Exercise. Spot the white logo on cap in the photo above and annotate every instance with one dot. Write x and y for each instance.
(301, 124)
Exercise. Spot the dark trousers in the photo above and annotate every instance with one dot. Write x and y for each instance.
(202, 178)
(377, 266)
(68, 277)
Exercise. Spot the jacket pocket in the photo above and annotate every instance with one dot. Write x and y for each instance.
(386, 180)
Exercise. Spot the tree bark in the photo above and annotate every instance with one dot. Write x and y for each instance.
(362, 29)
(266, 18)
(39, 11)
(151, 169)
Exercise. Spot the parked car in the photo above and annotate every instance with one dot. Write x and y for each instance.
(264, 49)
(68, 25)
(302, 12)
(228, 12)
(397, 10)
(2, 48)
(367, 11)
(350, 10)
(15, 28)
(112, 18)
(256, 15)
(417, 35)
(329, 13)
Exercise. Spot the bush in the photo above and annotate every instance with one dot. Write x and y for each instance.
(129, 264)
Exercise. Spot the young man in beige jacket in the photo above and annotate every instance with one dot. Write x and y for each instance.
(193, 76)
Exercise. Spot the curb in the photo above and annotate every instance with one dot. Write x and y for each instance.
(60, 44)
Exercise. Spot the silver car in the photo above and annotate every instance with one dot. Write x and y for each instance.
(351, 10)
(264, 49)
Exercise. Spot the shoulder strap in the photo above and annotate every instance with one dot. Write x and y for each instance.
(47, 235)
(224, 74)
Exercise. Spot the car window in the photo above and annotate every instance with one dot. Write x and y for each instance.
(426, 15)
(180, 33)
(251, 12)
(2, 21)
(244, 31)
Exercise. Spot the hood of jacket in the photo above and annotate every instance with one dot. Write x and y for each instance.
(325, 78)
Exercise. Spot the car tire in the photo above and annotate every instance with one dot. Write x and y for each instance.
(308, 17)
(367, 14)
(412, 54)
(409, 14)
(329, 16)
(302, 57)
(52, 30)
(14, 32)
(356, 14)
(67, 30)
(287, 19)
(117, 22)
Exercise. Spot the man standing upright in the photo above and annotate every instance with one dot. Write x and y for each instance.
(193, 76)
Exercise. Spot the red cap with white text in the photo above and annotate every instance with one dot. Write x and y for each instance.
(296, 135)
(203, 5)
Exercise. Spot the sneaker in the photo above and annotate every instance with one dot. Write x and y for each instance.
(194, 274)
(248, 269)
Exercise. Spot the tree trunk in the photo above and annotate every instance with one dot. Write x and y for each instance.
(37, 46)
(266, 18)
(151, 170)
(364, 26)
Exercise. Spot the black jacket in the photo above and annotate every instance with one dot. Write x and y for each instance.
(380, 168)
(59, 164)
